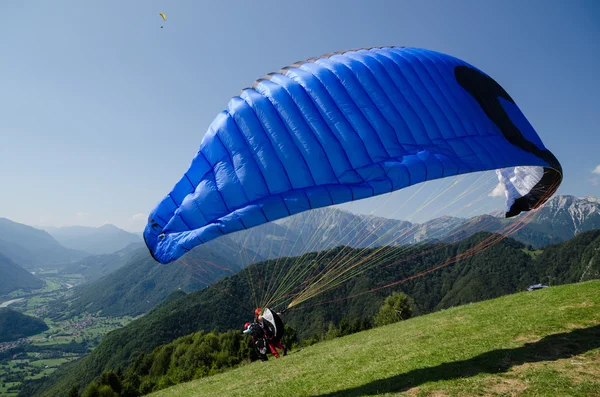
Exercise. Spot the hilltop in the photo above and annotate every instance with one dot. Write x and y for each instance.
(545, 342)
(15, 325)
(14, 277)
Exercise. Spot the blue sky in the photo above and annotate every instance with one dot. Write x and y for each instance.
(102, 110)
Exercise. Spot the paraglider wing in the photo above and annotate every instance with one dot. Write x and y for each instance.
(348, 126)
(163, 16)
(273, 321)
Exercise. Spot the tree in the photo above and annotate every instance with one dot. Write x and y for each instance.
(332, 332)
(344, 327)
(106, 391)
(290, 337)
(74, 392)
(112, 380)
(91, 390)
(395, 308)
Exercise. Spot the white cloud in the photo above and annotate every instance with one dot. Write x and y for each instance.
(137, 222)
(597, 169)
(80, 215)
(499, 191)
(595, 181)
(138, 217)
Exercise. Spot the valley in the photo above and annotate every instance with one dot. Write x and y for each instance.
(83, 300)
(67, 339)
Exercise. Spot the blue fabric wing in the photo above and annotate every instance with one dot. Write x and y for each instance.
(342, 127)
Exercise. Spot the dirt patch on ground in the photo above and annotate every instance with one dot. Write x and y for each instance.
(578, 368)
(508, 386)
(517, 369)
(582, 304)
(414, 392)
(528, 338)
(584, 368)
(572, 326)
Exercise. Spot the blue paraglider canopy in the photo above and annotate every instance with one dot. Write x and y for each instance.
(348, 126)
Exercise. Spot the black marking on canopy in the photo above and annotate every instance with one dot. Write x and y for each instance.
(486, 92)
(147, 246)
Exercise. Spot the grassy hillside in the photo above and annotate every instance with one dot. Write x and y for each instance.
(140, 282)
(15, 325)
(545, 342)
(30, 247)
(95, 267)
(502, 269)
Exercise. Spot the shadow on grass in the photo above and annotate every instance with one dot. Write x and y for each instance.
(550, 348)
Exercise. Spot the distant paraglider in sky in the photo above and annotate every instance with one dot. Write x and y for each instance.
(164, 17)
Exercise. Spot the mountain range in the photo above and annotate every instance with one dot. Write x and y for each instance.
(504, 268)
(32, 248)
(210, 288)
(95, 267)
(93, 240)
(140, 285)
(560, 219)
(130, 282)
(14, 277)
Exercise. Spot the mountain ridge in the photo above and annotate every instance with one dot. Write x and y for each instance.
(30, 247)
(137, 282)
(14, 277)
(105, 239)
(329, 227)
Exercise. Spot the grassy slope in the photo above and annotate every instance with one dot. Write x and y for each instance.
(545, 342)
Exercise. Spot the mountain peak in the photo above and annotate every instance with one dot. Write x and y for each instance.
(569, 215)
(592, 199)
(567, 199)
(109, 226)
(105, 239)
(564, 201)
(29, 246)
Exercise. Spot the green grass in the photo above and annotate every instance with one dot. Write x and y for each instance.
(533, 253)
(56, 340)
(3, 390)
(51, 285)
(41, 374)
(540, 343)
(51, 362)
